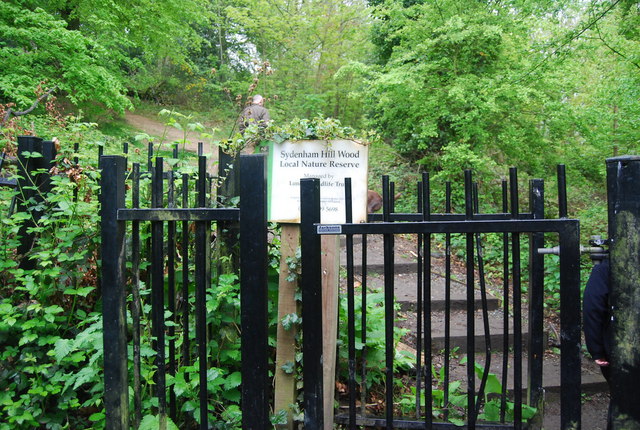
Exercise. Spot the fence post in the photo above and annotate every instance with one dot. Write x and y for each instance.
(623, 177)
(256, 389)
(158, 290)
(116, 391)
(536, 297)
(311, 281)
(202, 284)
(26, 187)
(228, 187)
(48, 157)
(570, 414)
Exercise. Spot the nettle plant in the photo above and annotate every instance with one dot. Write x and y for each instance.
(453, 407)
(375, 339)
(51, 336)
(51, 346)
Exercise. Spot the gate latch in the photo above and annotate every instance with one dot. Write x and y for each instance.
(597, 251)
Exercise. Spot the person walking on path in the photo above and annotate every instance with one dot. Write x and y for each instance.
(597, 321)
(257, 114)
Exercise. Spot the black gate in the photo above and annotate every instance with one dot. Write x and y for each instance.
(471, 225)
(122, 248)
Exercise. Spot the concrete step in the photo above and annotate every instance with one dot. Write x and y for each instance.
(405, 254)
(458, 330)
(592, 380)
(405, 274)
(406, 292)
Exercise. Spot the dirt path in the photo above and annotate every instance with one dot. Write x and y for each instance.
(157, 129)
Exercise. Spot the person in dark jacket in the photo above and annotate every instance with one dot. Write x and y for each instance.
(597, 320)
(255, 113)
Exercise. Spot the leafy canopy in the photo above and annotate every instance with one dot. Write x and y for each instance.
(91, 50)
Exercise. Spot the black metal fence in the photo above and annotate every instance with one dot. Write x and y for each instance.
(172, 229)
(122, 247)
(471, 225)
(34, 159)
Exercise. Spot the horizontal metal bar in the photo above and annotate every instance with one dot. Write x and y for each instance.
(8, 182)
(413, 424)
(8, 160)
(583, 250)
(470, 226)
(179, 214)
(447, 217)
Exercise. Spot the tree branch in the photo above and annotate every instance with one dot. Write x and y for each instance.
(604, 42)
(572, 37)
(10, 112)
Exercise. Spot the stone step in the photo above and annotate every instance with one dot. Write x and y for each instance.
(406, 276)
(406, 292)
(458, 330)
(405, 254)
(592, 380)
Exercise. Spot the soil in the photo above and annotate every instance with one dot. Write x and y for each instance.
(158, 129)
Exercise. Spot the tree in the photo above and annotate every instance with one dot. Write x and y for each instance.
(452, 78)
(37, 48)
(522, 82)
(93, 51)
(305, 44)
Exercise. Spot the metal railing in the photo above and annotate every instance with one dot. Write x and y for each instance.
(511, 224)
(163, 216)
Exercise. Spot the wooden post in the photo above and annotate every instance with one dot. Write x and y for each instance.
(285, 384)
(330, 248)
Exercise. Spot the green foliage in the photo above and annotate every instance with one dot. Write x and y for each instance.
(38, 48)
(305, 45)
(452, 87)
(51, 336)
(153, 422)
(318, 128)
(487, 86)
(456, 409)
(94, 52)
(51, 329)
(405, 174)
(295, 268)
(375, 343)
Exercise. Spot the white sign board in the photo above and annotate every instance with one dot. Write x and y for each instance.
(329, 160)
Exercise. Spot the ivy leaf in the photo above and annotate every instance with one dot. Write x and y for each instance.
(289, 320)
(288, 367)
